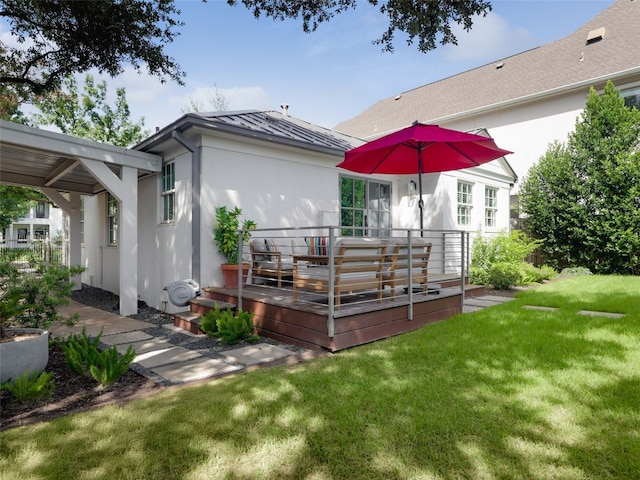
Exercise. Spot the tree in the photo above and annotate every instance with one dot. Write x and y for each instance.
(65, 37)
(583, 197)
(88, 115)
(57, 39)
(425, 20)
(216, 103)
(15, 203)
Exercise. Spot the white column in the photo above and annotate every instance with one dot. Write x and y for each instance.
(125, 189)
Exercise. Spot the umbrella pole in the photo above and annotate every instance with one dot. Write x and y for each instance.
(420, 202)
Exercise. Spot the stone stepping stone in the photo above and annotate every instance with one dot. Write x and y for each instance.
(480, 302)
(127, 337)
(145, 345)
(196, 369)
(496, 298)
(256, 354)
(601, 314)
(543, 309)
(156, 358)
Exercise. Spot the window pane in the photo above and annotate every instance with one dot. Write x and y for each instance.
(359, 194)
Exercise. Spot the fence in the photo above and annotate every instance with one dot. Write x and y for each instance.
(26, 252)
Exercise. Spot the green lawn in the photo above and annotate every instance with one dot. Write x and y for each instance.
(505, 393)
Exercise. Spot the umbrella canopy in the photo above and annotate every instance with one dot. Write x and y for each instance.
(420, 149)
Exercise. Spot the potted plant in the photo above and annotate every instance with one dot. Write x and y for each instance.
(28, 305)
(226, 234)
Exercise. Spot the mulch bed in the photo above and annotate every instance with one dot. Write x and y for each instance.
(72, 393)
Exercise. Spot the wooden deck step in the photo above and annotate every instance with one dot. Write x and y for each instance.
(190, 321)
(202, 305)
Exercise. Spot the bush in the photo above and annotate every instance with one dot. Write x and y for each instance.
(228, 327)
(32, 300)
(505, 275)
(32, 387)
(84, 358)
(576, 271)
(533, 274)
(512, 248)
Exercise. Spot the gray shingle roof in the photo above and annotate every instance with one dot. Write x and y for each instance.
(561, 63)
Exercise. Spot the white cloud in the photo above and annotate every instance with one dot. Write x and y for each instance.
(490, 38)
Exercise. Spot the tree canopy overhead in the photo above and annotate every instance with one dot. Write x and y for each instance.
(58, 38)
(427, 21)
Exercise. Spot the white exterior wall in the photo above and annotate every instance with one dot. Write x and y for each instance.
(528, 129)
(276, 186)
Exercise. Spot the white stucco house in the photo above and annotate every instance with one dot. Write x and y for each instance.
(525, 101)
(281, 171)
(44, 221)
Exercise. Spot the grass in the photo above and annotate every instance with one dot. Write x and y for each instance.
(504, 393)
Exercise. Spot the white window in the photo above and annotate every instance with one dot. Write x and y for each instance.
(490, 206)
(112, 219)
(42, 210)
(631, 97)
(465, 202)
(168, 192)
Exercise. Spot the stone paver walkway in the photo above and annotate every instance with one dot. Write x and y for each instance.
(159, 359)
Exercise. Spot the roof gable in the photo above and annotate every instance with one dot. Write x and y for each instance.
(613, 49)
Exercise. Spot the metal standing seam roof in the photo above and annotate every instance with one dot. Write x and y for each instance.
(268, 125)
(562, 63)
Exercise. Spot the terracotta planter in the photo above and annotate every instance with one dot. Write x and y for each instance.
(230, 274)
(24, 356)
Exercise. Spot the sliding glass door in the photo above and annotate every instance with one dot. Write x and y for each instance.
(365, 207)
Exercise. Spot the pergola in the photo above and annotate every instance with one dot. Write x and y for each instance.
(64, 168)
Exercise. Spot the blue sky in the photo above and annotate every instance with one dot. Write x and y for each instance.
(336, 72)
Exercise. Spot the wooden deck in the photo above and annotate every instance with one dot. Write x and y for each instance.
(305, 321)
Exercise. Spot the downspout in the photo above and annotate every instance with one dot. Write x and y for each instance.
(196, 168)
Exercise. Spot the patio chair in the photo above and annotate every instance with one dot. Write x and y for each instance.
(397, 264)
(273, 257)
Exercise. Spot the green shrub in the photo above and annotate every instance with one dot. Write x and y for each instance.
(576, 271)
(30, 387)
(208, 322)
(111, 366)
(505, 275)
(533, 274)
(505, 247)
(228, 327)
(80, 352)
(84, 358)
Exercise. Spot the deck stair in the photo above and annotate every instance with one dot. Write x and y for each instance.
(190, 321)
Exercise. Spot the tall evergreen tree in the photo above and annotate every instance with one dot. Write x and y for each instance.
(583, 197)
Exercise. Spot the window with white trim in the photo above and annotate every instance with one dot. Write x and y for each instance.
(112, 219)
(631, 97)
(168, 192)
(465, 202)
(490, 207)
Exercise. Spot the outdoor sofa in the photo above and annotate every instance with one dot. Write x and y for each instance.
(398, 265)
(357, 266)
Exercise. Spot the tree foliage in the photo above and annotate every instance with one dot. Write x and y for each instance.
(15, 203)
(86, 114)
(57, 39)
(583, 197)
(426, 21)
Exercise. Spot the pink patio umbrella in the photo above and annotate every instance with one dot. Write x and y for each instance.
(420, 149)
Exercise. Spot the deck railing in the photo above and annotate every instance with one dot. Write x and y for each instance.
(276, 248)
